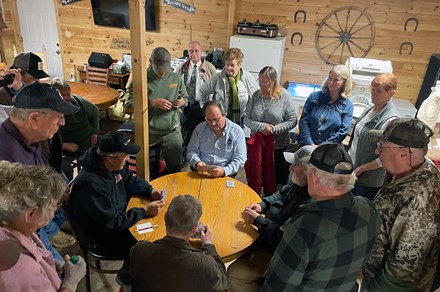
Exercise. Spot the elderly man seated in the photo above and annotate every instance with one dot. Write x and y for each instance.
(326, 241)
(100, 194)
(191, 269)
(217, 146)
(81, 129)
(244, 273)
(38, 113)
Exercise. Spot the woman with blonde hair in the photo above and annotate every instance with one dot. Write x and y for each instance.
(270, 114)
(327, 114)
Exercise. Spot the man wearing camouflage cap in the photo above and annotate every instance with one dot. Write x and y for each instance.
(405, 253)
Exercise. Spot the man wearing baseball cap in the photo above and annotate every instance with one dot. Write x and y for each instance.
(38, 113)
(405, 254)
(244, 272)
(166, 96)
(326, 241)
(100, 195)
(26, 69)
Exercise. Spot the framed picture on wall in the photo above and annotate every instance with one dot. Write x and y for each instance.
(126, 58)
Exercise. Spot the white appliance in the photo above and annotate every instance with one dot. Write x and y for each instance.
(260, 52)
(362, 73)
(405, 108)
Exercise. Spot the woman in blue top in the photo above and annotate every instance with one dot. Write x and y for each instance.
(327, 114)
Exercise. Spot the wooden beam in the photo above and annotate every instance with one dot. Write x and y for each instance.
(139, 75)
(16, 26)
(231, 20)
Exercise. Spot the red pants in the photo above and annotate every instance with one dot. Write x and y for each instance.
(260, 164)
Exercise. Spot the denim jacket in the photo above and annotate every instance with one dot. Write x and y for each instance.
(322, 121)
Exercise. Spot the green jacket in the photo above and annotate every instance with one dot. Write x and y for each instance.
(168, 87)
(80, 126)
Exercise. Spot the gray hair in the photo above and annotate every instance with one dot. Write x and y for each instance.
(103, 154)
(60, 84)
(343, 72)
(341, 182)
(214, 103)
(183, 214)
(23, 113)
(26, 186)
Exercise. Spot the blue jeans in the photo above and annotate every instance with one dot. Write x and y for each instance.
(42, 234)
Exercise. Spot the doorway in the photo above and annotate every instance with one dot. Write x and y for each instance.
(39, 28)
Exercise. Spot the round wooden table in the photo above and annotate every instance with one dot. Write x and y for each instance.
(222, 207)
(101, 96)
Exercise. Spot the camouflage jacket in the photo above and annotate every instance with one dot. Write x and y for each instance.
(405, 253)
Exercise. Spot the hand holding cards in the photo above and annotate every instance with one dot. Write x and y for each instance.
(199, 230)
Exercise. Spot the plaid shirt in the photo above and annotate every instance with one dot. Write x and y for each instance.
(324, 246)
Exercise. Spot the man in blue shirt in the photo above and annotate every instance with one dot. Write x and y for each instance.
(217, 146)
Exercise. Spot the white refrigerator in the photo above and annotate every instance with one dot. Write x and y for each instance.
(260, 52)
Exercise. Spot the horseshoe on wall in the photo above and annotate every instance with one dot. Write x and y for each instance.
(298, 12)
(409, 44)
(300, 38)
(411, 19)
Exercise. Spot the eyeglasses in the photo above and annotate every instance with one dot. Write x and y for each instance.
(193, 51)
(381, 147)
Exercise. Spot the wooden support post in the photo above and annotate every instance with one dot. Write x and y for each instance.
(231, 20)
(139, 74)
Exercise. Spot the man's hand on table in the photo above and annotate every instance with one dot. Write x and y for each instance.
(254, 206)
(156, 195)
(154, 208)
(201, 167)
(249, 215)
(216, 171)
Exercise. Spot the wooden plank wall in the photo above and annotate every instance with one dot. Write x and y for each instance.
(175, 29)
(10, 36)
(301, 62)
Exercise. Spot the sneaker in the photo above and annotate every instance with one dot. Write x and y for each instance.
(120, 279)
(62, 240)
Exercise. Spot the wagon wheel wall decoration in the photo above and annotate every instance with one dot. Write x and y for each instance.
(345, 32)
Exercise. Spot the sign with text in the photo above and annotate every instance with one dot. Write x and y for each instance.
(180, 5)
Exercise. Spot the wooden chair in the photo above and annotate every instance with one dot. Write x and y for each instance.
(92, 259)
(97, 76)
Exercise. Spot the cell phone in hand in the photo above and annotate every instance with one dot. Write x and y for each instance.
(164, 195)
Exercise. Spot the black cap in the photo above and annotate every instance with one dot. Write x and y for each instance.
(328, 157)
(43, 96)
(30, 63)
(114, 142)
(411, 133)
